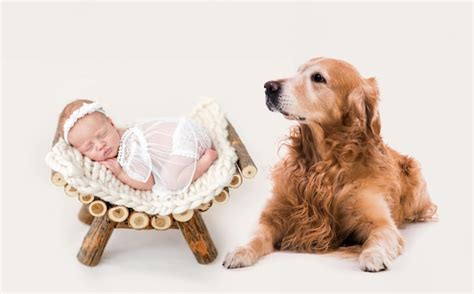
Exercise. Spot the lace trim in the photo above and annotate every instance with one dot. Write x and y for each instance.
(82, 111)
(121, 158)
(120, 155)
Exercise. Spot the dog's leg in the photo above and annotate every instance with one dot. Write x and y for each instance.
(262, 243)
(418, 206)
(382, 240)
(426, 209)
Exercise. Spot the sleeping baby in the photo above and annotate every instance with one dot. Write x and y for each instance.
(162, 155)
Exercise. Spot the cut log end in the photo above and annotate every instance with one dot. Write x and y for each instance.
(58, 179)
(249, 171)
(236, 181)
(138, 220)
(70, 191)
(222, 197)
(97, 208)
(118, 214)
(86, 199)
(205, 206)
(161, 222)
(184, 216)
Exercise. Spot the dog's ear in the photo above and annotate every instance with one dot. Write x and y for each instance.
(363, 104)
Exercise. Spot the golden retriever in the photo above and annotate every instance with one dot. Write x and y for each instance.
(339, 184)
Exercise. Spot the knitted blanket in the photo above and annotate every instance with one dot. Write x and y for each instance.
(90, 177)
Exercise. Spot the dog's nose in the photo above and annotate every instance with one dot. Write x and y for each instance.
(272, 89)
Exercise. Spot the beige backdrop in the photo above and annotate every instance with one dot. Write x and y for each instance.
(156, 59)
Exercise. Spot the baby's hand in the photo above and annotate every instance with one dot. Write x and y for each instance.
(114, 166)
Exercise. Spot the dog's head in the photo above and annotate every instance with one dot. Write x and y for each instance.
(326, 91)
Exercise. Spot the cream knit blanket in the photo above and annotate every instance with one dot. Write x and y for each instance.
(90, 177)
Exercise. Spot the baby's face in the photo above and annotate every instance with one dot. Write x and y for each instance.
(95, 136)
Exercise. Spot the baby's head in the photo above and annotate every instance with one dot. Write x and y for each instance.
(84, 125)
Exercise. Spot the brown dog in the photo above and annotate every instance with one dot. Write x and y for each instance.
(339, 183)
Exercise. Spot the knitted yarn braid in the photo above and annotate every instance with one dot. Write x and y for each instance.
(90, 177)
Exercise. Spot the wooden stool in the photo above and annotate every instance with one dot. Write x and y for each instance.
(104, 217)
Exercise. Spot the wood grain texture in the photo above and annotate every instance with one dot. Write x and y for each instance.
(245, 162)
(95, 241)
(84, 215)
(198, 239)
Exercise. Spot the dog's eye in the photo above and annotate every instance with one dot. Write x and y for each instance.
(318, 78)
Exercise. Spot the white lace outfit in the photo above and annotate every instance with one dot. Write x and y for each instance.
(167, 149)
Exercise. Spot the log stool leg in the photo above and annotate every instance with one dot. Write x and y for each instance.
(198, 239)
(84, 215)
(95, 241)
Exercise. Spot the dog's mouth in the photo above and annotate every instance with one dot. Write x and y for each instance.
(272, 107)
(292, 116)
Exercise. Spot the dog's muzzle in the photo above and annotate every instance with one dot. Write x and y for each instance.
(272, 92)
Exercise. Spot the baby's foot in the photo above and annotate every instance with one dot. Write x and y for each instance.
(210, 155)
(205, 162)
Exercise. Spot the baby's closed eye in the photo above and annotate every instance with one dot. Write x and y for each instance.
(102, 135)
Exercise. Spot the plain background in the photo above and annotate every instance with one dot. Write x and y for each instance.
(157, 59)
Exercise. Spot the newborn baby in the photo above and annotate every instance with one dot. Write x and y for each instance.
(162, 155)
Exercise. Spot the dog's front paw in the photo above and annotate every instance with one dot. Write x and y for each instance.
(384, 246)
(374, 260)
(241, 257)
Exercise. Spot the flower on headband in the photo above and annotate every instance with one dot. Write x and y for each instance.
(82, 111)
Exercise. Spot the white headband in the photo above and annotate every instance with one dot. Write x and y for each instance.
(82, 111)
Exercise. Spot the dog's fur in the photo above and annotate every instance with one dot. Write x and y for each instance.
(339, 184)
